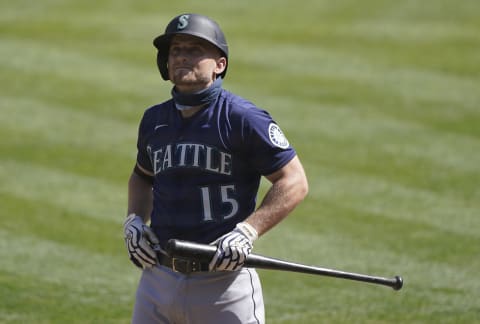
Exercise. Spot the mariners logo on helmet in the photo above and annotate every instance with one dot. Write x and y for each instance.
(277, 137)
(183, 21)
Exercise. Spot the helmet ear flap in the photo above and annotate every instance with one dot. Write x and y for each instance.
(162, 63)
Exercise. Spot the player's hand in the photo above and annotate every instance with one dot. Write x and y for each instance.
(139, 239)
(233, 248)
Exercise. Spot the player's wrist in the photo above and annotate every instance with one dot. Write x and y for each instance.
(131, 215)
(136, 218)
(248, 230)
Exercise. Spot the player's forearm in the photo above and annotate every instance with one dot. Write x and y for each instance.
(279, 201)
(289, 188)
(140, 197)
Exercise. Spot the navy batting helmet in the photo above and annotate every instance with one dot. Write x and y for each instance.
(189, 24)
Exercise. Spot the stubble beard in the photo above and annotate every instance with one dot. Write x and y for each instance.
(191, 80)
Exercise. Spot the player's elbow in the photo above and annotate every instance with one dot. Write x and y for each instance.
(302, 187)
(298, 188)
(301, 183)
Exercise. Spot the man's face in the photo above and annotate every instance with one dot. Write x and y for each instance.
(193, 63)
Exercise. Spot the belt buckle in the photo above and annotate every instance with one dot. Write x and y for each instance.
(181, 265)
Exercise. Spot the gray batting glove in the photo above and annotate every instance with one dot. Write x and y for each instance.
(140, 239)
(233, 248)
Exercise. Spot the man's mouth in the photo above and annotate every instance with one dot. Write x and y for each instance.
(183, 68)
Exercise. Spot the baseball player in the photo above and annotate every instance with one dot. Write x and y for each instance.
(201, 155)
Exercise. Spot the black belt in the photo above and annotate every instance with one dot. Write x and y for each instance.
(185, 266)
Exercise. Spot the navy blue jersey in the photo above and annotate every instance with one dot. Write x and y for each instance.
(207, 168)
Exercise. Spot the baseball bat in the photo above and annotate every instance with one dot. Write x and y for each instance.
(203, 252)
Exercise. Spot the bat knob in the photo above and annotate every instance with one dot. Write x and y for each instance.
(170, 247)
(398, 283)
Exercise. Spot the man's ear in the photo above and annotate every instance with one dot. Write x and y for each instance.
(221, 65)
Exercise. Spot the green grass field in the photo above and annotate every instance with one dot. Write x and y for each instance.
(380, 98)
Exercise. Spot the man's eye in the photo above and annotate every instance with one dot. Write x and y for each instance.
(191, 51)
(195, 51)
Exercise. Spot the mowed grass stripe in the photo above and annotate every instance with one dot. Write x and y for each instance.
(364, 131)
(72, 94)
(344, 226)
(338, 64)
(309, 301)
(108, 73)
(379, 196)
(74, 141)
(408, 33)
(87, 196)
(65, 157)
(55, 124)
(380, 248)
(75, 81)
(52, 262)
(361, 139)
(27, 299)
(46, 221)
(433, 285)
(60, 283)
(352, 241)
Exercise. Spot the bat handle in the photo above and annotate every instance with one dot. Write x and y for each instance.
(202, 252)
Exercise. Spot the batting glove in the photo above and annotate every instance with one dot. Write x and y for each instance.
(233, 248)
(140, 239)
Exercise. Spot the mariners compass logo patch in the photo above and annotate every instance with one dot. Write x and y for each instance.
(277, 137)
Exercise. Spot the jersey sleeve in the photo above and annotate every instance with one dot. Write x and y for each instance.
(267, 146)
(144, 131)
